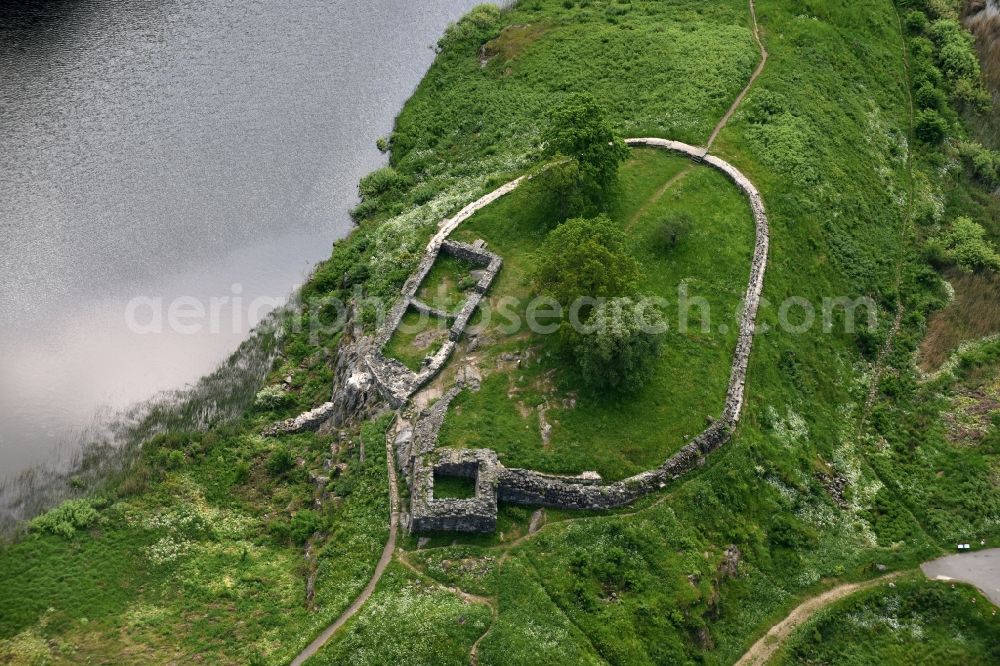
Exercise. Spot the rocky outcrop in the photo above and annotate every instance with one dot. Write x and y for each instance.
(355, 396)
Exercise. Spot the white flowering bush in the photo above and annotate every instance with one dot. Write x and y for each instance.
(167, 549)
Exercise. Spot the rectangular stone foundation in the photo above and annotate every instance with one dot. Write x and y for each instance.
(477, 514)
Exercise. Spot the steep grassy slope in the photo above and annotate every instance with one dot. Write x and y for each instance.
(200, 551)
(207, 562)
(916, 622)
(825, 134)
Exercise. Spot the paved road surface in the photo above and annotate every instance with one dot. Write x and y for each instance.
(980, 568)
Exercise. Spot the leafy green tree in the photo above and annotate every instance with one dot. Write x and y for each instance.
(588, 154)
(619, 354)
(585, 258)
(930, 127)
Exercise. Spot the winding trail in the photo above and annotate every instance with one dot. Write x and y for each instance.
(980, 569)
(764, 649)
(383, 562)
(753, 77)
(446, 227)
(904, 229)
(403, 558)
(656, 196)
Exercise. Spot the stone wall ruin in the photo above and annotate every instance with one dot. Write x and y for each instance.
(417, 454)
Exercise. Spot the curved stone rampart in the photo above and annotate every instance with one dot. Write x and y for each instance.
(521, 486)
(532, 488)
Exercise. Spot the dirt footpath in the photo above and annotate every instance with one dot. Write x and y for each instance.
(762, 651)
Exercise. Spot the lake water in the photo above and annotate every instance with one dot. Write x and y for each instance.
(174, 149)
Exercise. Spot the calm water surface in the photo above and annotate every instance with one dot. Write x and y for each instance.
(170, 149)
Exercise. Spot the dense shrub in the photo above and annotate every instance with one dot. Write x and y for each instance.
(272, 397)
(280, 461)
(241, 473)
(764, 105)
(929, 96)
(621, 351)
(172, 460)
(959, 63)
(67, 518)
(672, 231)
(930, 127)
(965, 245)
(585, 258)
(982, 162)
(471, 30)
(916, 22)
(304, 524)
(380, 182)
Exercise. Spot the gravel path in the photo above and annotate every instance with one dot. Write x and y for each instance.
(753, 77)
(383, 562)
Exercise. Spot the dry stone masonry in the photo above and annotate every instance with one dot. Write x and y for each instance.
(306, 421)
(417, 454)
(394, 380)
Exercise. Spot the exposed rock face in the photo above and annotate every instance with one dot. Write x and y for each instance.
(729, 568)
(982, 18)
(355, 396)
(836, 486)
(977, 11)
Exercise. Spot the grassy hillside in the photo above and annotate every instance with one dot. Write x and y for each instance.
(209, 546)
(616, 435)
(826, 135)
(914, 622)
(207, 561)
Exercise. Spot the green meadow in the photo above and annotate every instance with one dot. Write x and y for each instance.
(212, 546)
